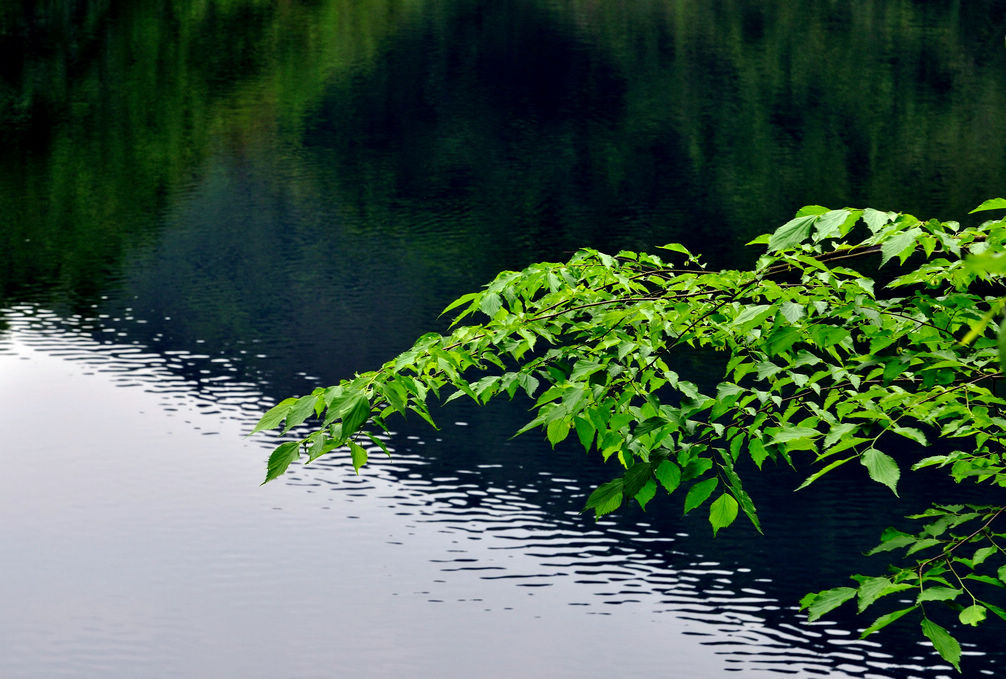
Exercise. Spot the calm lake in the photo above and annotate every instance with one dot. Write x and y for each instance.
(208, 206)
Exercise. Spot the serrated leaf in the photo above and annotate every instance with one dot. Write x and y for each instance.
(821, 472)
(945, 645)
(584, 431)
(885, 620)
(606, 498)
(791, 233)
(635, 478)
(751, 317)
(829, 224)
(938, 594)
(359, 455)
(301, 410)
(758, 452)
(491, 303)
(464, 299)
(991, 204)
(911, 433)
(875, 219)
(722, 512)
(669, 475)
(322, 445)
(972, 615)
(648, 425)
(882, 468)
(356, 412)
(825, 601)
(699, 493)
(872, 589)
(899, 244)
(274, 415)
(280, 459)
(557, 431)
(981, 554)
(646, 493)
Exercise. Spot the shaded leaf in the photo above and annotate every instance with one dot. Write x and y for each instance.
(606, 498)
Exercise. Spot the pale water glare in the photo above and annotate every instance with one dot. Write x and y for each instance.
(139, 544)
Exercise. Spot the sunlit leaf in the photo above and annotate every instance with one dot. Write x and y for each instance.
(722, 512)
(699, 493)
(280, 459)
(882, 468)
(948, 647)
(828, 600)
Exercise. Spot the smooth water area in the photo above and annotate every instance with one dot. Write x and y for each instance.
(205, 207)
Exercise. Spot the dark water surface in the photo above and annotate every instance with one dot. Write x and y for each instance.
(205, 207)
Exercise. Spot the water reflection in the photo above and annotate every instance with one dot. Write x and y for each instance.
(300, 205)
(473, 539)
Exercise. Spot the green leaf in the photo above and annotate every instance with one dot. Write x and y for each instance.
(646, 493)
(972, 615)
(274, 415)
(758, 452)
(669, 475)
(885, 620)
(1001, 339)
(722, 512)
(280, 459)
(945, 645)
(872, 589)
(981, 554)
(752, 317)
(699, 493)
(882, 468)
(358, 454)
(825, 601)
(829, 224)
(301, 410)
(821, 472)
(356, 413)
(793, 232)
(584, 431)
(898, 245)
(635, 478)
(991, 204)
(782, 340)
(911, 433)
(875, 219)
(464, 299)
(938, 594)
(557, 431)
(491, 304)
(606, 498)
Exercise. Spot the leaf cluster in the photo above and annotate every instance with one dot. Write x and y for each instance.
(820, 363)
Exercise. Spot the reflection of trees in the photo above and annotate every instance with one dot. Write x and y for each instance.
(446, 140)
(107, 108)
(626, 124)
